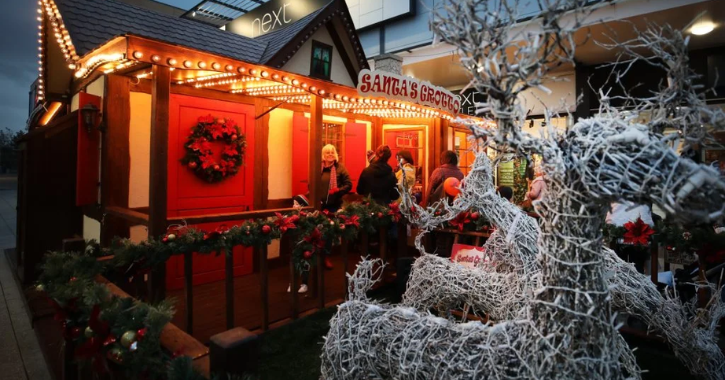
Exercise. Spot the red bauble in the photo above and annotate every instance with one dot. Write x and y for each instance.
(141, 333)
(216, 167)
(380, 215)
(72, 279)
(307, 255)
(192, 165)
(234, 137)
(165, 240)
(75, 332)
(266, 229)
(475, 216)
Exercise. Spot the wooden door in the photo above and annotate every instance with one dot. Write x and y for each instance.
(189, 195)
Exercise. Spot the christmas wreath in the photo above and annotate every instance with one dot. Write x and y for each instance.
(200, 155)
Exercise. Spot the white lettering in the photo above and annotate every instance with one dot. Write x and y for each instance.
(266, 19)
(284, 14)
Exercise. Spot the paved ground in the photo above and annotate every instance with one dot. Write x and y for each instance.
(20, 354)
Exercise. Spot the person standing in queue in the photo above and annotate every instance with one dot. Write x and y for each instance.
(377, 181)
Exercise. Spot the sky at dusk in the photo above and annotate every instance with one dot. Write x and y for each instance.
(19, 57)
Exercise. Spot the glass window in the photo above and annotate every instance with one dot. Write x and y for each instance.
(321, 65)
(333, 133)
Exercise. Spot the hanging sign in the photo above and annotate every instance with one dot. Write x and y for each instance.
(399, 87)
(468, 255)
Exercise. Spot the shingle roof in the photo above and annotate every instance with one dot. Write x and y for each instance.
(277, 40)
(92, 23)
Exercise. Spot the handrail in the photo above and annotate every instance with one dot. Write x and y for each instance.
(173, 338)
(211, 218)
(128, 214)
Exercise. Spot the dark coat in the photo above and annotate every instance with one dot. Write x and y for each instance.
(333, 201)
(378, 182)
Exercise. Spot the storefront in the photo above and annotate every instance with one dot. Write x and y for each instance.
(141, 97)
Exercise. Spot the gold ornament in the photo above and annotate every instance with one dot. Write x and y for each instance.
(89, 332)
(128, 338)
(115, 355)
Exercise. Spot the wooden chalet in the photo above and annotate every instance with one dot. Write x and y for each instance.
(121, 86)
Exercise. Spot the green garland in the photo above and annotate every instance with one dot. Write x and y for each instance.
(121, 334)
(701, 239)
(109, 332)
(467, 221)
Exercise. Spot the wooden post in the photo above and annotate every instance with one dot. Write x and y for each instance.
(364, 242)
(402, 238)
(321, 280)
(189, 290)
(383, 244)
(264, 285)
(315, 149)
(229, 285)
(261, 155)
(654, 262)
(158, 178)
(115, 154)
(343, 251)
(293, 289)
(70, 368)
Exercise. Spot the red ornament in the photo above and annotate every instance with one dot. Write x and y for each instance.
(380, 215)
(637, 232)
(75, 332)
(192, 165)
(475, 216)
(141, 333)
(72, 279)
(165, 240)
(234, 137)
(216, 167)
(266, 229)
(307, 255)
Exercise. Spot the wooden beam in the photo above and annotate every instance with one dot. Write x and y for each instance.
(315, 149)
(212, 94)
(115, 153)
(261, 155)
(158, 177)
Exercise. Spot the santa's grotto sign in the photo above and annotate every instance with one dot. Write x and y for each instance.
(393, 86)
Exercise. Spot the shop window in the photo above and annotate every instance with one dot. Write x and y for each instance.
(333, 133)
(464, 149)
(321, 65)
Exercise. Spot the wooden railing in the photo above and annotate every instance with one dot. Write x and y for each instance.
(259, 254)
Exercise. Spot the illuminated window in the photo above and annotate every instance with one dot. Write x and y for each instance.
(321, 65)
(333, 133)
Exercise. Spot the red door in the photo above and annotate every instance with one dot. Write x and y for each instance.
(189, 195)
(355, 148)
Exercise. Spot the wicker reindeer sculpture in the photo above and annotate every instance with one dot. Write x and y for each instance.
(558, 322)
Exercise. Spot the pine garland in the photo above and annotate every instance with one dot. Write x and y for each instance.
(122, 334)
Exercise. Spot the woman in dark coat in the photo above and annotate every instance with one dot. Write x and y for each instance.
(335, 181)
(378, 180)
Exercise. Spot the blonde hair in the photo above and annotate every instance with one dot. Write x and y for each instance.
(330, 147)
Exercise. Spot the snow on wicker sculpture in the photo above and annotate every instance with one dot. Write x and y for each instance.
(565, 329)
